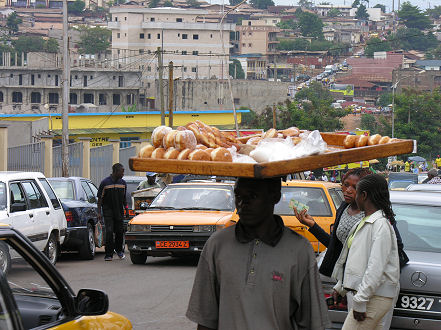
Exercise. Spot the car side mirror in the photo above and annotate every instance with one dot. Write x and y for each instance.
(92, 199)
(17, 207)
(144, 205)
(91, 302)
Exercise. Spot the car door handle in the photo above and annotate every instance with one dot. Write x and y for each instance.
(31, 215)
(48, 212)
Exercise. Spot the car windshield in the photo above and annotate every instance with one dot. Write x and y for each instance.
(419, 226)
(2, 196)
(200, 197)
(314, 198)
(399, 185)
(63, 189)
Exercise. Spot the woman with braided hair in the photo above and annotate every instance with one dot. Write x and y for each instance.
(368, 268)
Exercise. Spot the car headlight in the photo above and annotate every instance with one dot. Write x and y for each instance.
(139, 228)
(203, 228)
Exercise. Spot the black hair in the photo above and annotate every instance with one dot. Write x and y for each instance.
(377, 191)
(360, 172)
(273, 185)
(116, 167)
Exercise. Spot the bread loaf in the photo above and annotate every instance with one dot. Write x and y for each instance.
(198, 154)
(171, 153)
(169, 139)
(350, 141)
(384, 140)
(183, 155)
(158, 135)
(362, 141)
(146, 151)
(185, 140)
(221, 155)
(158, 153)
(374, 139)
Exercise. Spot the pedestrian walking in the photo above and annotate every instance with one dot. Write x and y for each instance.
(111, 205)
(257, 274)
(348, 216)
(433, 173)
(368, 268)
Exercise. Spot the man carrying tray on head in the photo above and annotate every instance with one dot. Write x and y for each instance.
(257, 274)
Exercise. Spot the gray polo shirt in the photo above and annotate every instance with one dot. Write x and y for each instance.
(254, 285)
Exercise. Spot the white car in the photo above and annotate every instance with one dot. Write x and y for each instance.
(28, 203)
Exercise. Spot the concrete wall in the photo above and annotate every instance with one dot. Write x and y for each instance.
(199, 95)
(22, 132)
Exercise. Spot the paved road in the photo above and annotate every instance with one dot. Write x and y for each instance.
(151, 296)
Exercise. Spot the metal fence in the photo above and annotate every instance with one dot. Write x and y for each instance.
(27, 158)
(75, 160)
(101, 159)
(124, 155)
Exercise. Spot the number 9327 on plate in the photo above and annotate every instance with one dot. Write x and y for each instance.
(412, 302)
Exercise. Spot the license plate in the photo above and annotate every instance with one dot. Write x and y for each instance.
(419, 303)
(172, 244)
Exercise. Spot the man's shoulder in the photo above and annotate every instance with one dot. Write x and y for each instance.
(106, 180)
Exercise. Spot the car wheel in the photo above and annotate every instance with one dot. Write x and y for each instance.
(138, 258)
(51, 250)
(5, 258)
(88, 248)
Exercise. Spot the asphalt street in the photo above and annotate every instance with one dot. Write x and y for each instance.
(151, 296)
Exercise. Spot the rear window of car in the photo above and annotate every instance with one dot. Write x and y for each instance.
(2, 196)
(50, 193)
(64, 189)
(315, 198)
(419, 226)
(196, 197)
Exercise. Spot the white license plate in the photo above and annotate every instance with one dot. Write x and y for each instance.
(419, 303)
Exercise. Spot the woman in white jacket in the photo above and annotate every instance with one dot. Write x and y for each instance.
(368, 269)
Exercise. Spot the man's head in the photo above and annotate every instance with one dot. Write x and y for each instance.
(117, 171)
(151, 177)
(432, 173)
(255, 199)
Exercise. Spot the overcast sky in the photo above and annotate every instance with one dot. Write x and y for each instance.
(422, 4)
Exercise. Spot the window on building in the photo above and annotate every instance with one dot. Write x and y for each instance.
(195, 36)
(76, 76)
(56, 80)
(195, 52)
(249, 23)
(73, 98)
(141, 51)
(249, 45)
(125, 141)
(185, 69)
(91, 77)
(211, 35)
(141, 36)
(1, 96)
(32, 79)
(88, 98)
(158, 36)
(35, 97)
(53, 98)
(11, 76)
(193, 69)
(125, 34)
(149, 36)
(152, 19)
(243, 45)
(236, 101)
(17, 97)
(116, 99)
(184, 52)
(119, 51)
(184, 36)
(102, 99)
(84, 81)
(130, 99)
(220, 101)
(39, 76)
(120, 81)
(250, 33)
(118, 35)
(20, 79)
(148, 85)
(125, 18)
(149, 69)
(179, 20)
(116, 18)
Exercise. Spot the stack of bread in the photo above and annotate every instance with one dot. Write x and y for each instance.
(356, 141)
(194, 141)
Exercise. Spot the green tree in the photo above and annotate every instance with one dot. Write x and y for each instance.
(418, 117)
(356, 3)
(94, 40)
(413, 17)
(75, 7)
(334, 12)
(368, 122)
(153, 3)
(411, 38)
(235, 70)
(434, 12)
(310, 25)
(434, 54)
(234, 2)
(261, 4)
(385, 99)
(51, 45)
(287, 25)
(361, 13)
(382, 7)
(376, 45)
(305, 4)
(168, 3)
(193, 3)
(26, 44)
(296, 44)
(13, 22)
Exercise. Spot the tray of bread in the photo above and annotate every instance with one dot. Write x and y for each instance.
(198, 148)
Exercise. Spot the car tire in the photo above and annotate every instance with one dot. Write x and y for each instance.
(87, 250)
(138, 258)
(51, 249)
(5, 258)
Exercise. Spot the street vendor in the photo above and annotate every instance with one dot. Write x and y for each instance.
(150, 182)
(257, 274)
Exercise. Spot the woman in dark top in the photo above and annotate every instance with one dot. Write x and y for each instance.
(348, 214)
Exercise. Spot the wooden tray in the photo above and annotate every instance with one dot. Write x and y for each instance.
(271, 169)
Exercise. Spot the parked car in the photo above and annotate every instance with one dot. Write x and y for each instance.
(132, 185)
(33, 294)
(424, 187)
(28, 203)
(180, 220)
(418, 216)
(400, 180)
(79, 200)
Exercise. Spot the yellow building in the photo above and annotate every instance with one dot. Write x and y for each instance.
(125, 126)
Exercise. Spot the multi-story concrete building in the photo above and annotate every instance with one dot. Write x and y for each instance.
(323, 10)
(198, 49)
(257, 37)
(35, 84)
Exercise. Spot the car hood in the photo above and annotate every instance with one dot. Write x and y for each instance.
(422, 273)
(183, 217)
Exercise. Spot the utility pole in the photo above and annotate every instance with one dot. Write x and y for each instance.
(65, 113)
(275, 69)
(161, 86)
(170, 94)
(274, 116)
